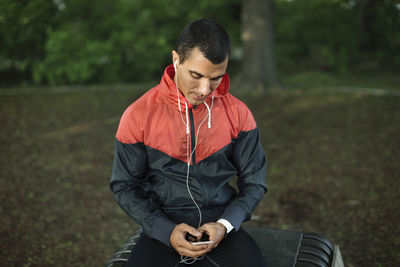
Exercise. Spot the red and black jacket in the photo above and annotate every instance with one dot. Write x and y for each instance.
(151, 160)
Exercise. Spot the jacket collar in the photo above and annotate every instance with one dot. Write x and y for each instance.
(168, 89)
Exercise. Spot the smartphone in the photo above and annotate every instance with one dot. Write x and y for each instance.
(202, 242)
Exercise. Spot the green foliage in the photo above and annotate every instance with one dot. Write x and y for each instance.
(316, 34)
(79, 41)
(386, 31)
(23, 33)
(73, 58)
(120, 41)
(337, 34)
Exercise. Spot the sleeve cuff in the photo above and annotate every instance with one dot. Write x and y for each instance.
(162, 229)
(235, 216)
(227, 225)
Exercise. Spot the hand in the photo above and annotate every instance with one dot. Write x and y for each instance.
(184, 247)
(215, 230)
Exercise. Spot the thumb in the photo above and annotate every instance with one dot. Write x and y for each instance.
(191, 230)
(194, 231)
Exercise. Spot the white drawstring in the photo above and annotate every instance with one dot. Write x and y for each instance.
(187, 118)
(209, 110)
(209, 115)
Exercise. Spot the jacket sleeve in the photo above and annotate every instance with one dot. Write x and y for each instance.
(130, 187)
(249, 158)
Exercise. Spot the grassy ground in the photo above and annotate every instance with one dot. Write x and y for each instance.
(366, 80)
(333, 169)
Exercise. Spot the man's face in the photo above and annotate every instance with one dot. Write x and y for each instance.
(197, 77)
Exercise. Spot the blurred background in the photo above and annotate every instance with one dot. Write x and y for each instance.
(322, 78)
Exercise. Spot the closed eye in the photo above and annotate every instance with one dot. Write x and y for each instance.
(194, 76)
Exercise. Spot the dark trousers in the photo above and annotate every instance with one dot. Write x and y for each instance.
(237, 250)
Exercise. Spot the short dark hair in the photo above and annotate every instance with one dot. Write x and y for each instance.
(207, 35)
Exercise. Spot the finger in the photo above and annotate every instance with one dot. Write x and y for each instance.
(191, 253)
(183, 243)
(205, 227)
(207, 247)
(209, 229)
(191, 230)
(196, 247)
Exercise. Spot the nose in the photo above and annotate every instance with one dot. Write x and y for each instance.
(205, 87)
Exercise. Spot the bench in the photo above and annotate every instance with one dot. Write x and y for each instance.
(281, 248)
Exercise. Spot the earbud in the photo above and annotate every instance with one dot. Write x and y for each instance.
(176, 62)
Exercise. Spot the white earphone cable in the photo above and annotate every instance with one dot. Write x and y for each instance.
(189, 156)
(187, 259)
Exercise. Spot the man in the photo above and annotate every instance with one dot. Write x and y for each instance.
(176, 149)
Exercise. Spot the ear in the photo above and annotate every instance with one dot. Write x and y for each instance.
(175, 58)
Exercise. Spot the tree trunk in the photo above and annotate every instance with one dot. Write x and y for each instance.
(368, 19)
(258, 63)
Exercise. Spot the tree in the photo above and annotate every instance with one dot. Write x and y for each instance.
(121, 41)
(380, 21)
(258, 63)
(24, 27)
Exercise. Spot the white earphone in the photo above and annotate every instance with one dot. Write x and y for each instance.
(176, 62)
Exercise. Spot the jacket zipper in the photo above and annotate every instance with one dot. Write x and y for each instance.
(193, 136)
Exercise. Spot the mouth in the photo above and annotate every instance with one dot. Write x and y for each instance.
(199, 98)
